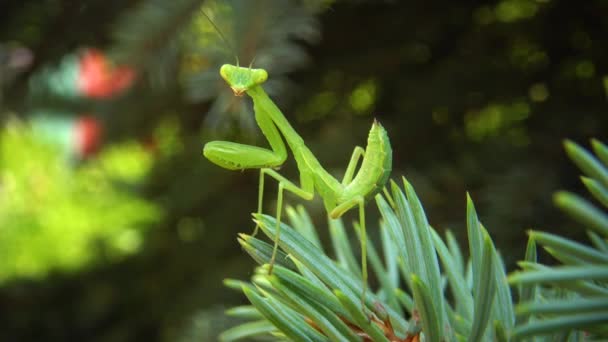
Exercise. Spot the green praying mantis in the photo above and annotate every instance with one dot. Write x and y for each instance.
(338, 197)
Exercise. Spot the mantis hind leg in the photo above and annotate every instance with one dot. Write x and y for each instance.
(284, 184)
(338, 212)
(358, 153)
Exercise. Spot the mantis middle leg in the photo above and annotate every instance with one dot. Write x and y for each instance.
(305, 192)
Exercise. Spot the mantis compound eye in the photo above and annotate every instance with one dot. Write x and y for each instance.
(260, 76)
(226, 71)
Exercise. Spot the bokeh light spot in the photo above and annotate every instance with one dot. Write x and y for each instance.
(495, 119)
(538, 92)
(513, 10)
(585, 69)
(440, 115)
(363, 97)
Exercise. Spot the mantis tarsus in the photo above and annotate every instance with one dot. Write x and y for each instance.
(338, 197)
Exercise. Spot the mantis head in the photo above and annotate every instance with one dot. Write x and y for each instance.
(242, 79)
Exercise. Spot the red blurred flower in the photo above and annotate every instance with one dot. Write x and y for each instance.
(88, 133)
(99, 79)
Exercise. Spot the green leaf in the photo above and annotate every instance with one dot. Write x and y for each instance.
(394, 231)
(485, 290)
(381, 274)
(283, 318)
(244, 311)
(475, 242)
(587, 162)
(561, 323)
(527, 292)
(247, 330)
(567, 306)
(461, 325)
(468, 275)
(576, 336)
(596, 189)
(235, 284)
(300, 221)
(478, 241)
(414, 258)
(503, 307)
(601, 150)
(261, 251)
(499, 332)
(390, 256)
(327, 321)
(455, 251)
(308, 274)
(429, 255)
(426, 310)
(405, 299)
(308, 289)
(565, 246)
(561, 274)
(585, 288)
(583, 211)
(360, 319)
(324, 268)
(419, 249)
(341, 244)
(457, 283)
(597, 241)
(565, 259)
(313, 258)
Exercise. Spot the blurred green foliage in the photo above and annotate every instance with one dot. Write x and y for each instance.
(59, 217)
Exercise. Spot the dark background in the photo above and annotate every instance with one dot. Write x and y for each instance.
(476, 96)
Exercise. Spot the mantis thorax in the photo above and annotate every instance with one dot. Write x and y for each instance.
(242, 79)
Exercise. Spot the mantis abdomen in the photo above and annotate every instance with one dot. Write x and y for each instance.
(375, 168)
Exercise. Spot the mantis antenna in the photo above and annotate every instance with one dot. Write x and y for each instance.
(252, 60)
(219, 32)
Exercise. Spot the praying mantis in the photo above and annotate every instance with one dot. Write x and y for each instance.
(338, 197)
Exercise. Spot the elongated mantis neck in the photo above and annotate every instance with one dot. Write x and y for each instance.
(306, 160)
(261, 100)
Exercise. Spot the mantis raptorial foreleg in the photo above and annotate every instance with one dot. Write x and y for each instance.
(235, 156)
